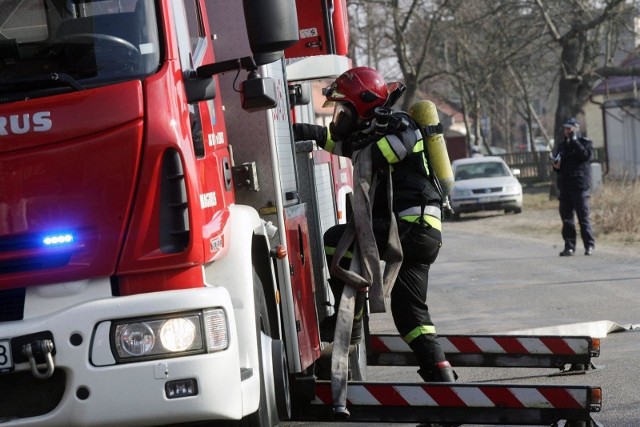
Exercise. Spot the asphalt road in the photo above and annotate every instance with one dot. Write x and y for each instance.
(484, 282)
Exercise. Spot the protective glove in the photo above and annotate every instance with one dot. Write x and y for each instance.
(305, 132)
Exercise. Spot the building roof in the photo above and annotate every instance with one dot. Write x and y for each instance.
(620, 83)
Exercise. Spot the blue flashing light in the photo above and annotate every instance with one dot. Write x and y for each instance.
(58, 239)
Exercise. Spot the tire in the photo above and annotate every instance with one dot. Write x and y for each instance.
(281, 379)
(272, 382)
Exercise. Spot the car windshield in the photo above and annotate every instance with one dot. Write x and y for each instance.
(480, 170)
(54, 46)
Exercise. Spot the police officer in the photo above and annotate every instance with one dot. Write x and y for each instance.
(398, 151)
(572, 164)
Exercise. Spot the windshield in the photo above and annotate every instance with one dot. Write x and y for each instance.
(52, 46)
(480, 170)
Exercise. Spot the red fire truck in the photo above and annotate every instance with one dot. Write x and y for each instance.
(160, 233)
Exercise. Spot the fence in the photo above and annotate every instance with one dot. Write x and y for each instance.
(536, 168)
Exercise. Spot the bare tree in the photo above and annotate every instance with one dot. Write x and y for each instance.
(580, 28)
(499, 59)
(399, 35)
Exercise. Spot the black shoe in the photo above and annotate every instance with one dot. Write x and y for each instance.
(328, 329)
(589, 250)
(567, 252)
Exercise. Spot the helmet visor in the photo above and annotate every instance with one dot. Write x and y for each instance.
(332, 94)
(344, 120)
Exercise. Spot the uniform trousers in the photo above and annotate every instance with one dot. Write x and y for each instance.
(420, 245)
(575, 203)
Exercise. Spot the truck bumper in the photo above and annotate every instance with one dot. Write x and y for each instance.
(90, 388)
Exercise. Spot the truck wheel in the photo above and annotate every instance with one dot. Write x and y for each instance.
(267, 413)
(274, 379)
(281, 379)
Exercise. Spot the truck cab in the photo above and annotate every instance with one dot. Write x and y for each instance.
(125, 262)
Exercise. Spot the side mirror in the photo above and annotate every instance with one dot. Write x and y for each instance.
(272, 26)
(199, 88)
(299, 94)
(516, 172)
(258, 93)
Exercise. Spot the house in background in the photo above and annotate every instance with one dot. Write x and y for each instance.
(455, 132)
(616, 105)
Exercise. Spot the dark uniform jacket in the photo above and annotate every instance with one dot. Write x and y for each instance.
(575, 169)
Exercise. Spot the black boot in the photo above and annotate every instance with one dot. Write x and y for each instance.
(433, 365)
(441, 372)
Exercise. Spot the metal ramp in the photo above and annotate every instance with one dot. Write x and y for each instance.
(515, 351)
(467, 403)
(458, 403)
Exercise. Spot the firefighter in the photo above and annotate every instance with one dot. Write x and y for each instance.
(362, 116)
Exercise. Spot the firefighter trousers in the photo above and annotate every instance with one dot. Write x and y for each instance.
(420, 245)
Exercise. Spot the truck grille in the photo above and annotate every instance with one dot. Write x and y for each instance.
(12, 304)
(174, 209)
(487, 190)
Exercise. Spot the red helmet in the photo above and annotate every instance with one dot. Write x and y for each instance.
(362, 87)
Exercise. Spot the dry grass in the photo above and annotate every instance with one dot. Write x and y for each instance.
(614, 210)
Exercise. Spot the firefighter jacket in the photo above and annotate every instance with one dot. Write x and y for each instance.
(401, 153)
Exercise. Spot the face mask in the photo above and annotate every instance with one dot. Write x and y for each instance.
(344, 122)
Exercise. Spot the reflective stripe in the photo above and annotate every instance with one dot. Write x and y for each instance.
(397, 146)
(425, 163)
(330, 250)
(419, 146)
(417, 210)
(387, 149)
(330, 144)
(420, 330)
(432, 221)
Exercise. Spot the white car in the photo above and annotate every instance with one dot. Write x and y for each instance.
(485, 184)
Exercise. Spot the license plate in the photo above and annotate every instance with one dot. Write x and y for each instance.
(489, 199)
(6, 362)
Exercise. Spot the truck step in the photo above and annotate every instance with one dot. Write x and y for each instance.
(457, 403)
(515, 351)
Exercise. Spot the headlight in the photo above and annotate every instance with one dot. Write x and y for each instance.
(177, 335)
(135, 339)
(512, 189)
